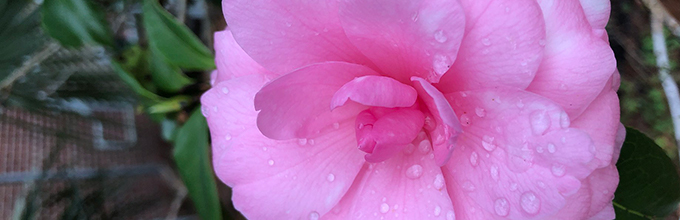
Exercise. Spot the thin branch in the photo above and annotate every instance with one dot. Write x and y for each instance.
(672, 24)
(670, 87)
(181, 190)
(50, 49)
(181, 10)
(659, 10)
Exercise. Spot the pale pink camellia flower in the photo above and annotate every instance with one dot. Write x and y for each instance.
(415, 109)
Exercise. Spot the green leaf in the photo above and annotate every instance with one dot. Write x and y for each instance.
(170, 105)
(193, 161)
(166, 76)
(19, 34)
(75, 22)
(174, 41)
(133, 83)
(649, 186)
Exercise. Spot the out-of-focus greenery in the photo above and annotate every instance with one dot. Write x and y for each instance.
(643, 102)
(163, 63)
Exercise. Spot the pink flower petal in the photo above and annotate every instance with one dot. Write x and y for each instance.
(283, 35)
(375, 91)
(597, 12)
(232, 61)
(289, 179)
(447, 128)
(606, 213)
(386, 135)
(503, 46)
(517, 159)
(601, 121)
(577, 63)
(603, 183)
(296, 105)
(406, 186)
(406, 38)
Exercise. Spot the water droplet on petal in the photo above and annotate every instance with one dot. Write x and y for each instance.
(302, 141)
(314, 216)
(502, 207)
(438, 182)
(440, 64)
(563, 86)
(542, 42)
(513, 186)
(551, 148)
(464, 120)
(270, 162)
(507, 9)
(564, 120)
(539, 149)
(450, 215)
(540, 122)
(336, 125)
(473, 158)
(480, 112)
(486, 41)
(227, 137)
(414, 171)
(311, 141)
(384, 208)
(408, 150)
(494, 172)
(330, 177)
(487, 143)
(439, 36)
(541, 184)
(288, 24)
(414, 17)
(264, 148)
(225, 90)
(558, 170)
(424, 146)
(530, 203)
(468, 186)
(437, 210)
(520, 104)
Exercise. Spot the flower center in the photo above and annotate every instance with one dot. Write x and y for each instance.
(397, 113)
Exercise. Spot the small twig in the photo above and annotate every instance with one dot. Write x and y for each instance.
(670, 87)
(181, 10)
(50, 49)
(659, 10)
(672, 24)
(181, 191)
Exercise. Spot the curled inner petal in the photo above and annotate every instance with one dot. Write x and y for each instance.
(383, 132)
(375, 91)
(445, 133)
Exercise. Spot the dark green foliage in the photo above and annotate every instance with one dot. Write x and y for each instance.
(649, 186)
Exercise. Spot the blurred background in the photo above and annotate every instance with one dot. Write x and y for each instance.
(100, 114)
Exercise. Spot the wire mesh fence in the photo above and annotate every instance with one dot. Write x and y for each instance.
(72, 146)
